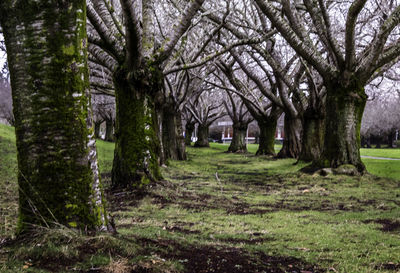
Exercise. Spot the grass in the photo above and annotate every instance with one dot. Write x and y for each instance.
(383, 152)
(220, 212)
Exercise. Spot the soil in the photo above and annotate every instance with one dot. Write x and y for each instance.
(389, 266)
(388, 225)
(199, 259)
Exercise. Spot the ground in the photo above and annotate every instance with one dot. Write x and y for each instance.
(220, 212)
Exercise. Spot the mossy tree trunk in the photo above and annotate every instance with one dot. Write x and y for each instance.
(136, 143)
(172, 134)
(109, 136)
(292, 139)
(238, 144)
(202, 136)
(344, 110)
(189, 129)
(313, 135)
(57, 164)
(267, 128)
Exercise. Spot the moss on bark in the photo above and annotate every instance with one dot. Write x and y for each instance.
(136, 147)
(238, 144)
(344, 110)
(46, 46)
(202, 136)
(267, 136)
(313, 135)
(189, 129)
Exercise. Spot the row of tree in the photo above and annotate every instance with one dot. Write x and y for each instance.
(166, 59)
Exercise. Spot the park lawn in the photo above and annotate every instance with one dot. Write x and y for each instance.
(382, 152)
(221, 212)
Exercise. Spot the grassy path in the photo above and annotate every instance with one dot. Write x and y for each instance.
(220, 212)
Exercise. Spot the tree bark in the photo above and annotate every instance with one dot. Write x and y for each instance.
(136, 146)
(344, 110)
(58, 175)
(267, 136)
(238, 144)
(173, 140)
(202, 136)
(97, 129)
(313, 135)
(392, 138)
(292, 141)
(189, 128)
(109, 130)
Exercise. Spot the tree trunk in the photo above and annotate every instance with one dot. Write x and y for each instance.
(58, 175)
(292, 141)
(173, 140)
(136, 145)
(392, 138)
(202, 136)
(344, 110)
(238, 144)
(189, 128)
(267, 136)
(378, 142)
(97, 129)
(109, 130)
(313, 135)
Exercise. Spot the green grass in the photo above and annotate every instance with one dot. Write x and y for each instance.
(384, 152)
(221, 212)
(8, 178)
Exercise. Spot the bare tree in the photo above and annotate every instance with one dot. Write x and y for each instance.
(345, 65)
(237, 111)
(135, 50)
(206, 109)
(262, 110)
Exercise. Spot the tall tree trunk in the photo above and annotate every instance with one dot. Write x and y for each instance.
(313, 135)
(202, 136)
(58, 174)
(344, 110)
(238, 144)
(137, 146)
(173, 140)
(267, 136)
(292, 141)
(189, 128)
(109, 131)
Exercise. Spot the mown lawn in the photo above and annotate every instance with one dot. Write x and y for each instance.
(220, 212)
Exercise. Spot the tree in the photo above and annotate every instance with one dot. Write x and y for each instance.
(135, 51)
(381, 118)
(263, 111)
(241, 118)
(345, 65)
(206, 109)
(6, 102)
(58, 175)
(190, 123)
